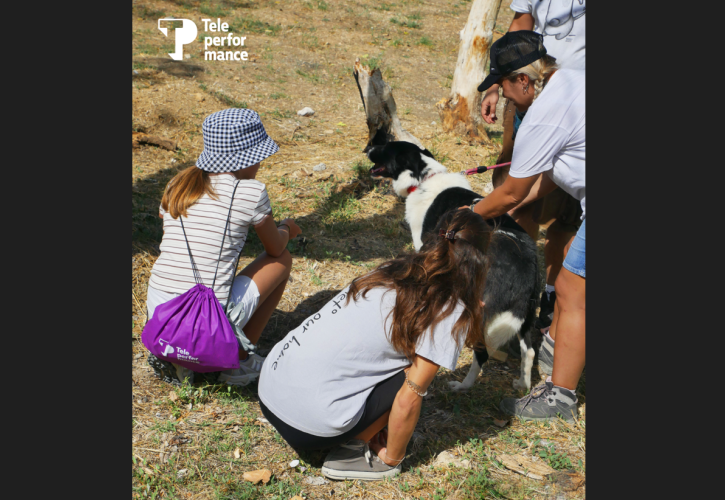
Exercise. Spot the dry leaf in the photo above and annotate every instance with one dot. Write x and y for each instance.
(148, 471)
(173, 396)
(237, 453)
(256, 476)
(523, 465)
(500, 423)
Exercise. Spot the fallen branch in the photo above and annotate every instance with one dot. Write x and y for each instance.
(138, 138)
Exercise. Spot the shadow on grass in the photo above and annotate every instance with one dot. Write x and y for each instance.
(447, 418)
(331, 231)
(181, 69)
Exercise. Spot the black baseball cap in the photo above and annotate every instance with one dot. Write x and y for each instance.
(512, 51)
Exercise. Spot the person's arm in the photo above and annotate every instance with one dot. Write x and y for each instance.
(543, 186)
(521, 21)
(405, 411)
(275, 238)
(505, 197)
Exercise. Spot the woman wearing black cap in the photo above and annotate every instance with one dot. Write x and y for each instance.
(549, 151)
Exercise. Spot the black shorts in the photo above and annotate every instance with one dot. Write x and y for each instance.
(379, 401)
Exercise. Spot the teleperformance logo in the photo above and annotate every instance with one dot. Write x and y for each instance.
(181, 354)
(187, 34)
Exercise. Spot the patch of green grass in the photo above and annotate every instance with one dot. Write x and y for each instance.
(229, 101)
(310, 42)
(406, 24)
(249, 25)
(362, 168)
(146, 13)
(314, 78)
(276, 113)
(278, 95)
(479, 485)
(416, 16)
(212, 10)
(372, 62)
(396, 42)
(424, 40)
(141, 65)
(555, 460)
(384, 6)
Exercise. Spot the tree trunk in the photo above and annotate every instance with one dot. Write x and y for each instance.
(380, 110)
(461, 112)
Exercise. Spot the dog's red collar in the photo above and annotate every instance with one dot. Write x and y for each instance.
(413, 188)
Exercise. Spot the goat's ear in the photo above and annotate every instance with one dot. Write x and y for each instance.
(427, 153)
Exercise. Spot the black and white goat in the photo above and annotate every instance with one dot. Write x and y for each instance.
(512, 285)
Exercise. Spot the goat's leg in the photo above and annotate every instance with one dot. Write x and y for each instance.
(472, 372)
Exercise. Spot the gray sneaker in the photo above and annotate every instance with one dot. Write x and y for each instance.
(544, 402)
(546, 355)
(354, 460)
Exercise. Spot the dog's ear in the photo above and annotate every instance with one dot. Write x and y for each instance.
(381, 159)
(428, 153)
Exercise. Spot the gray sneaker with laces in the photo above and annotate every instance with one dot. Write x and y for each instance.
(248, 370)
(546, 355)
(544, 402)
(354, 460)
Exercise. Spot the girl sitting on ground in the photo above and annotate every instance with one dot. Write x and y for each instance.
(366, 359)
(235, 142)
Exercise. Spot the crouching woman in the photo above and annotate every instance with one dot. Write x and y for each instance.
(353, 375)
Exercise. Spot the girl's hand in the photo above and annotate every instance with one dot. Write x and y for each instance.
(294, 229)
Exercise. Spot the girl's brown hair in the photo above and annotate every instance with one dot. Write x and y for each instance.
(429, 284)
(185, 189)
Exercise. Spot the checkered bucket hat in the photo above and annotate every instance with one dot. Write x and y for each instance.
(233, 139)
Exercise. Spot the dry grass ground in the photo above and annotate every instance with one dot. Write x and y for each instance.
(301, 54)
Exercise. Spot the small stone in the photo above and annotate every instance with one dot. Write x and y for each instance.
(329, 132)
(306, 111)
(199, 97)
(294, 463)
(187, 56)
(444, 458)
(316, 481)
(182, 473)
(320, 167)
(135, 72)
(433, 123)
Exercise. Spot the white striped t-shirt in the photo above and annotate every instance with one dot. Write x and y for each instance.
(204, 226)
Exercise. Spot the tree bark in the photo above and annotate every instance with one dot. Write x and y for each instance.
(461, 112)
(380, 109)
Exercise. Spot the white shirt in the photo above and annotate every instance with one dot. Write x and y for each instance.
(204, 227)
(319, 376)
(551, 137)
(562, 22)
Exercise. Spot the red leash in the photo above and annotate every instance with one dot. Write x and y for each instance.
(480, 170)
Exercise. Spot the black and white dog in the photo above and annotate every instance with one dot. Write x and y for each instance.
(512, 286)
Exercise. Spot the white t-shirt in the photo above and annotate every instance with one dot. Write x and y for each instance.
(562, 24)
(551, 137)
(319, 376)
(204, 226)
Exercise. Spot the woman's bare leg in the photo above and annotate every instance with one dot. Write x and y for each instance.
(270, 274)
(374, 428)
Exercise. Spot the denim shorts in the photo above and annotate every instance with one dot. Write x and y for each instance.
(576, 258)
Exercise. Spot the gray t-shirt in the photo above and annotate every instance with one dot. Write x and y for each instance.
(319, 376)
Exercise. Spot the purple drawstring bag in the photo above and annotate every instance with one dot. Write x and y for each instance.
(192, 330)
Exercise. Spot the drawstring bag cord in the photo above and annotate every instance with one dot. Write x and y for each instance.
(195, 270)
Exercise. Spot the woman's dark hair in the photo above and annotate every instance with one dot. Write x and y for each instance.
(450, 267)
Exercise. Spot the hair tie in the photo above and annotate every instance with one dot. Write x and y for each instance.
(449, 235)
